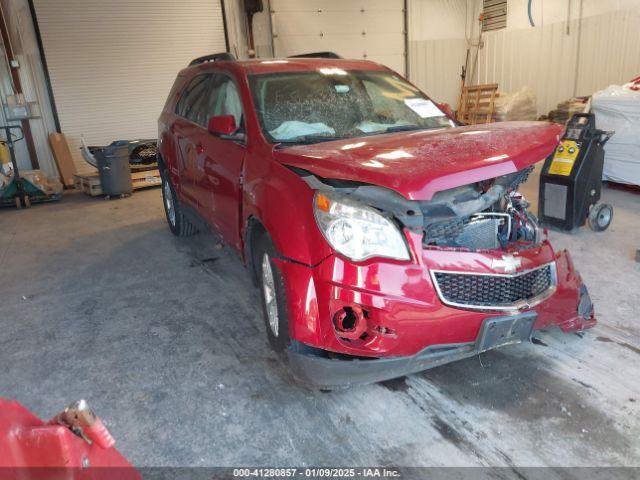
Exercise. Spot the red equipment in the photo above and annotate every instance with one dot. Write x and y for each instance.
(75, 444)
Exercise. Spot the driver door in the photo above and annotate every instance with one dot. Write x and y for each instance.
(222, 160)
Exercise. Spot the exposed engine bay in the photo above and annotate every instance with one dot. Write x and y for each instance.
(485, 215)
(504, 221)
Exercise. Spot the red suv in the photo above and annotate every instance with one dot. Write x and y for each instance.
(385, 238)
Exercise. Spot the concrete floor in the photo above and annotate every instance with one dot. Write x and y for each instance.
(165, 339)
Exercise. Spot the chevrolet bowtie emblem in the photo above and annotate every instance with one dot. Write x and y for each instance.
(509, 263)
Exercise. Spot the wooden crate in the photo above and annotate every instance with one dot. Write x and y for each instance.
(140, 178)
(477, 104)
(89, 184)
(143, 178)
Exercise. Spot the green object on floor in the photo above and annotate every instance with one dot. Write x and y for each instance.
(21, 190)
(37, 192)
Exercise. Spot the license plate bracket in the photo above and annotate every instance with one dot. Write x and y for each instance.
(500, 331)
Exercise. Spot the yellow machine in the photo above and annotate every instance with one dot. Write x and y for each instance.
(571, 179)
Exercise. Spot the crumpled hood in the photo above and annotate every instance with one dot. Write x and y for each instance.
(419, 164)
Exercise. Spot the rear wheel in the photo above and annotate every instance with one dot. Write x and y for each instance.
(272, 291)
(600, 217)
(178, 222)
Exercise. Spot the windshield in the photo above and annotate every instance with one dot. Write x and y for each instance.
(331, 103)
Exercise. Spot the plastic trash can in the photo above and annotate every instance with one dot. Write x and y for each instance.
(114, 168)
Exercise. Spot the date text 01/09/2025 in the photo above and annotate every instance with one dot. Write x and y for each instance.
(316, 472)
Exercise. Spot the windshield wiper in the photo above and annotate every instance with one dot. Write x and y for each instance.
(402, 128)
(309, 139)
(394, 128)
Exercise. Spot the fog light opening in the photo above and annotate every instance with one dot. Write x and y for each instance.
(350, 323)
(348, 320)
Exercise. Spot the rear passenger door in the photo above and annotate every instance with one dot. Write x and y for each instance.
(223, 159)
(186, 130)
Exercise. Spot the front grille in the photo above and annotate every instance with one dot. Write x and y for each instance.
(470, 290)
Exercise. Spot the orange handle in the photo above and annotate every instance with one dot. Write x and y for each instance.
(99, 434)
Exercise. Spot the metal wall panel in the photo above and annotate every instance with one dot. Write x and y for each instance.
(437, 47)
(113, 62)
(371, 29)
(435, 65)
(544, 58)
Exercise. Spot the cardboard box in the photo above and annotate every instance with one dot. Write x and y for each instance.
(63, 158)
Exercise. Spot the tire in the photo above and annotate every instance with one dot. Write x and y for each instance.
(272, 292)
(600, 217)
(179, 224)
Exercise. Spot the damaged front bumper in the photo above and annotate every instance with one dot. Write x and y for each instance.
(406, 326)
(311, 367)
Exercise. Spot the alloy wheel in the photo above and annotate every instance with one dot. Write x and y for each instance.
(269, 291)
(168, 202)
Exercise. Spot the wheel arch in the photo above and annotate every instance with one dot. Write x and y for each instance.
(254, 229)
(281, 203)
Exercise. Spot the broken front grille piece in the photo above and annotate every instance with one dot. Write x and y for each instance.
(443, 230)
(495, 291)
(478, 232)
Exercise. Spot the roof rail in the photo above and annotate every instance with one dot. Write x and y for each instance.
(214, 57)
(316, 55)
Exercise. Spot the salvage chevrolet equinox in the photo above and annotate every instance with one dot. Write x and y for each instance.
(385, 237)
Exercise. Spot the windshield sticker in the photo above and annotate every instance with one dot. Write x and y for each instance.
(423, 108)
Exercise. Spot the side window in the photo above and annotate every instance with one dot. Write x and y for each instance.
(193, 101)
(224, 99)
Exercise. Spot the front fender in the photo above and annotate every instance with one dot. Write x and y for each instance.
(283, 203)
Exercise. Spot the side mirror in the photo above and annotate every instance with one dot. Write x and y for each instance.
(222, 125)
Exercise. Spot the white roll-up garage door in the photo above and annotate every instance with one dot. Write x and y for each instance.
(370, 29)
(113, 62)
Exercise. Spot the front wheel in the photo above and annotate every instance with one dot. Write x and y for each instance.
(178, 223)
(273, 295)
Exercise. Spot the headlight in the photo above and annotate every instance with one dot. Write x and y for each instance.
(356, 231)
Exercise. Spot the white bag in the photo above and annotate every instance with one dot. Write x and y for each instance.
(618, 108)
